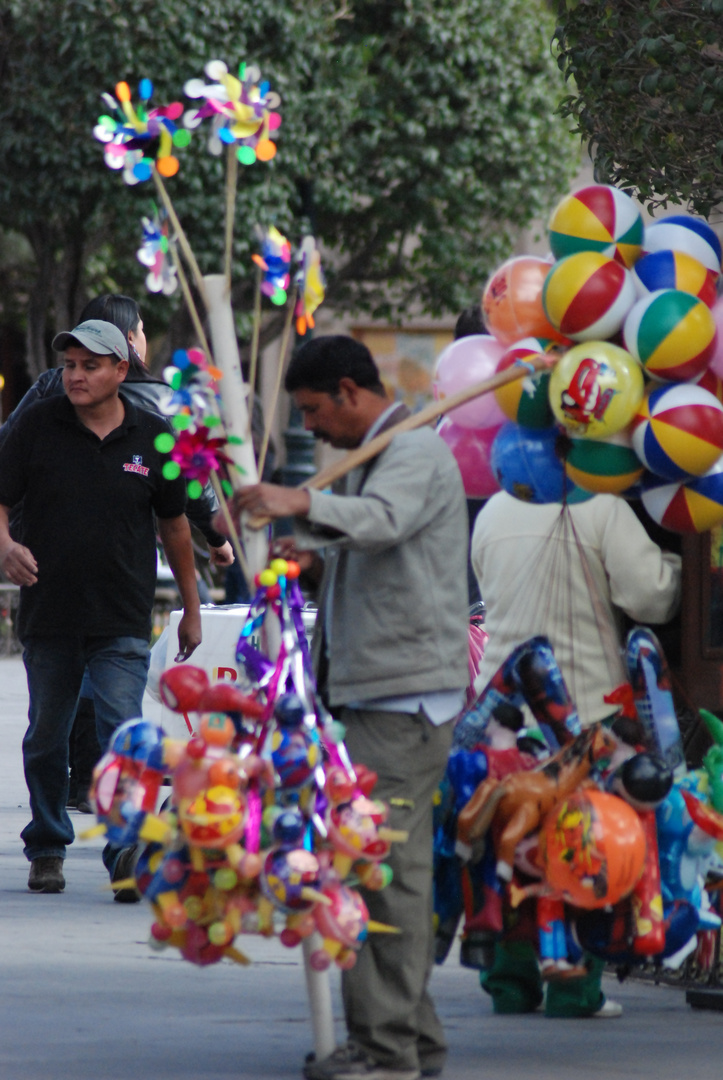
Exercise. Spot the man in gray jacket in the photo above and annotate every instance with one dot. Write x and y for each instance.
(391, 651)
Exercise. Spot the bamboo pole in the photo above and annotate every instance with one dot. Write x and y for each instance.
(255, 332)
(427, 415)
(277, 385)
(231, 182)
(180, 234)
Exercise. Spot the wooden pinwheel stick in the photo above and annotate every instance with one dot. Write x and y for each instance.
(427, 415)
(277, 385)
(255, 333)
(188, 297)
(232, 530)
(231, 182)
(180, 234)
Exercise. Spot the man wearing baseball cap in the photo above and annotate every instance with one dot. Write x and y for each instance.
(90, 479)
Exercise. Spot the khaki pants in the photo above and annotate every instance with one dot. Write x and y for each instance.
(388, 1009)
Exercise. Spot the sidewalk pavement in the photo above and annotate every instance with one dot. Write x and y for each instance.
(82, 997)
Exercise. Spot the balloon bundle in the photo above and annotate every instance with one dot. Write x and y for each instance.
(269, 827)
(610, 837)
(637, 390)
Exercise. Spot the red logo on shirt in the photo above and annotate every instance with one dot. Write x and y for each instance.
(137, 466)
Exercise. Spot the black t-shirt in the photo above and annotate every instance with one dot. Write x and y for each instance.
(88, 518)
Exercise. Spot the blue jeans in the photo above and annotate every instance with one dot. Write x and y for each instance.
(118, 667)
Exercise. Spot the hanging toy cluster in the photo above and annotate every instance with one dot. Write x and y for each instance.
(137, 140)
(269, 826)
(632, 313)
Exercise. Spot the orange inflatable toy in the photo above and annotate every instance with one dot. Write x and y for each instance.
(592, 848)
(512, 301)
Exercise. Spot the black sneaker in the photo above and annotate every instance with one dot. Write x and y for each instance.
(125, 869)
(46, 874)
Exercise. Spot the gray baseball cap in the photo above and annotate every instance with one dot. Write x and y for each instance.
(100, 337)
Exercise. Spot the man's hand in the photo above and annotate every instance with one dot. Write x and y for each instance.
(309, 561)
(221, 556)
(189, 634)
(18, 564)
(271, 500)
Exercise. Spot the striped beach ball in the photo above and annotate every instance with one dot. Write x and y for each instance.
(672, 334)
(674, 270)
(604, 465)
(684, 233)
(692, 507)
(526, 401)
(678, 431)
(597, 218)
(711, 382)
(512, 300)
(587, 296)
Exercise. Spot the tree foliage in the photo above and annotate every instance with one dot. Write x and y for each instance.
(418, 137)
(648, 94)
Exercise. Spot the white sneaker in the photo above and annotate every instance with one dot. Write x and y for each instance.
(609, 1010)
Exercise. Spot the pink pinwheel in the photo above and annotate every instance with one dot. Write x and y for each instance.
(198, 455)
(241, 111)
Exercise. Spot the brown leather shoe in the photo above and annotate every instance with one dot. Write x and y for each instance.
(46, 874)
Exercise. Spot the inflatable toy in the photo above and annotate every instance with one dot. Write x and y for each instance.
(526, 401)
(512, 301)
(596, 389)
(587, 296)
(604, 465)
(691, 235)
(597, 218)
(672, 334)
(691, 507)
(678, 431)
(472, 450)
(674, 270)
(525, 464)
(467, 361)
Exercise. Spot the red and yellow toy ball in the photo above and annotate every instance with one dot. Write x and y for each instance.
(691, 235)
(597, 218)
(592, 847)
(711, 382)
(693, 507)
(604, 465)
(512, 301)
(678, 431)
(587, 296)
(674, 270)
(672, 334)
(526, 401)
(596, 389)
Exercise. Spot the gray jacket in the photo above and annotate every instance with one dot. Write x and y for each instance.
(394, 592)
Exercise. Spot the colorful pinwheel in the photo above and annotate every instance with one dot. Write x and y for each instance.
(153, 253)
(241, 111)
(274, 260)
(310, 284)
(133, 138)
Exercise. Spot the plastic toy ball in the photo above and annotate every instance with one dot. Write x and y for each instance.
(711, 382)
(691, 235)
(674, 270)
(512, 301)
(587, 296)
(593, 849)
(526, 464)
(526, 401)
(672, 334)
(604, 465)
(596, 389)
(467, 361)
(181, 687)
(597, 218)
(678, 431)
(472, 449)
(693, 507)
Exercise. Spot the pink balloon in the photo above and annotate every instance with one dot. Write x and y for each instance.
(472, 451)
(716, 362)
(467, 361)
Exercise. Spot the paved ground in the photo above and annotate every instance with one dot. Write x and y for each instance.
(83, 998)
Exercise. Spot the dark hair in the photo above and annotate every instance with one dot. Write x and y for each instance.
(320, 364)
(470, 321)
(123, 312)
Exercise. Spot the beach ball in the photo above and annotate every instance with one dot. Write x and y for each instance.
(467, 361)
(688, 234)
(678, 431)
(692, 507)
(512, 301)
(592, 847)
(472, 450)
(716, 362)
(526, 464)
(596, 389)
(587, 296)
(604, 465)
(711, 382)
(674, 270)
(597, 218)
(526, 401)
(672, 334)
